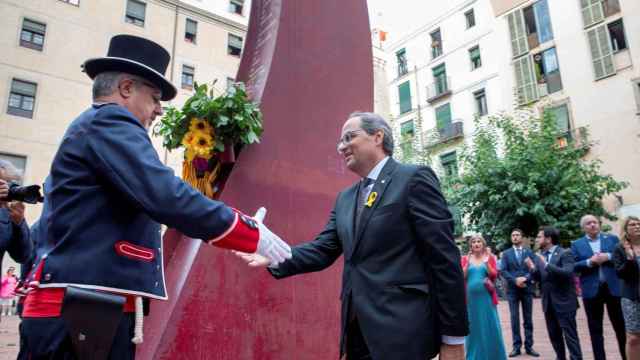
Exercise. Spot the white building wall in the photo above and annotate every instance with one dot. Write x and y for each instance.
(609, 107)
(457, 40)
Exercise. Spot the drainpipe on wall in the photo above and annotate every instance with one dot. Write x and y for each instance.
(419, 108)
(172, 63)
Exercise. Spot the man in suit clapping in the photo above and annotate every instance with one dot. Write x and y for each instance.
(553, 268)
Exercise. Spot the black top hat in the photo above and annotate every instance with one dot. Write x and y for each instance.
(137, 56)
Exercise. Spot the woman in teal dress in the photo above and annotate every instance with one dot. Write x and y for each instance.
(485, 336)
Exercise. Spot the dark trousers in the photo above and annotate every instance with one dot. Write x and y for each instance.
(47, 338)
(524, 297)
(594, 308)
(357, 348)
(562, 329)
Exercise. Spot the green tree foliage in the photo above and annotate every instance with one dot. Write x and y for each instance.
(519, 172)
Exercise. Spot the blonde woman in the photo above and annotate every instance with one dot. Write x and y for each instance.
(480, 272)
(626, 259)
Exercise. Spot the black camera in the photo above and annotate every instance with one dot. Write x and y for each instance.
(29, 194)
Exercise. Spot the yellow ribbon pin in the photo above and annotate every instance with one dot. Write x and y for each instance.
(372, 197)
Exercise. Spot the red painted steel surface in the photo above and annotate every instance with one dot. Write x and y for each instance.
(309, 63)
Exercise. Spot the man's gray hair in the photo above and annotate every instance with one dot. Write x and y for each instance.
(8, 172)
(583, 220)
(372, 122)
(106, 83)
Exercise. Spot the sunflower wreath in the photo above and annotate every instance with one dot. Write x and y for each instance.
(207, 127)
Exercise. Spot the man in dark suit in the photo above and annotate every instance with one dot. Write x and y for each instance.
(599, 282)
(553, 268)
(519, 291)
(403, 288)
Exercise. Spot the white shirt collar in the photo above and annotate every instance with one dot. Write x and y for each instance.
(552, 249)
(375, 172)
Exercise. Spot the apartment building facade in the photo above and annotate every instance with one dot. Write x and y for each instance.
(44, 43)
(579, 59)
(442, 77)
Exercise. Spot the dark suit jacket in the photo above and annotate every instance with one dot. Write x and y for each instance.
(589, 276)
(628, 272)
(556, 281)
(401, 266)
(512, 269)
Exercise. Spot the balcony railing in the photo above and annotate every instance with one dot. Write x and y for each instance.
(439, 89)
(444, 134)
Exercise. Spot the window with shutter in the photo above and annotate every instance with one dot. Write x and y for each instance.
(191, 31)
(401, 57)
(32, 34)
(449, 164)
(519, 44)
(443, 117)
(135, 12)
(601, 52)
(474, 56)
(561, 115)
(404, 95)
(592, 12)
(406, 129)
(526, 87)
(187, 77)
(22, 98)
(234, 46)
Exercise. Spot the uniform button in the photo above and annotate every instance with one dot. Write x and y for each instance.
(157, 267)
(157, 283)
(47, 277)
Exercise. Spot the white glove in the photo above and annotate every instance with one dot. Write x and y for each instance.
(270, 245)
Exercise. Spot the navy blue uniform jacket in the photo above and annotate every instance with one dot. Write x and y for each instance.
(109, 193)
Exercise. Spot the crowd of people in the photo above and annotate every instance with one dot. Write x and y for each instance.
(601, 267)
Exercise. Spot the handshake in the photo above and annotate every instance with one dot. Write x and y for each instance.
(271, 249)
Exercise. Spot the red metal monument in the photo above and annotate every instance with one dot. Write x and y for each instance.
(309, 64)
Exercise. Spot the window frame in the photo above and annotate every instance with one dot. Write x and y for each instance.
(130, 18)
(230, 47)
(187, 33)
(480, 101)
(20, 110)
(473, 49)
(446, 160)
(184, 73)
(636, 91)
(402, 62)
(403, 110)
(232, 7)
(32, 32)
(471, 12)
(616, 49)
(436, 51)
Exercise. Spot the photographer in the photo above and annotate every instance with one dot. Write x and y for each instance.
(14, 232)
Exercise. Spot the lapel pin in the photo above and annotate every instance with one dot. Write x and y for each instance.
(372, 197)
(382, 181)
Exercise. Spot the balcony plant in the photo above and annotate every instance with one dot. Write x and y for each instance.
(210, 128)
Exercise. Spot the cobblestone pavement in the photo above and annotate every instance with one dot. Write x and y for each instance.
(9, 335)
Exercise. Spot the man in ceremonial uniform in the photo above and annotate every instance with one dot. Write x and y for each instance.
(108, 194)
(403, 287)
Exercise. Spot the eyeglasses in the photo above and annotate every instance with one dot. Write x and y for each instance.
(348, 137)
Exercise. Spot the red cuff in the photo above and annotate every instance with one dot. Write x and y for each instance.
(243, 235)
